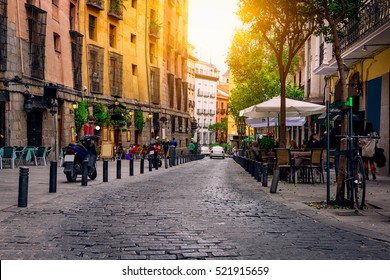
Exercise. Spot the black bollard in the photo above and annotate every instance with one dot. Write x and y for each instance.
(141, 166)
(23, 186)
(177, 160)
(150, 164)
(84, 173)
(157, 162)
(118, 168)
(265, 174)
(53, 177)
(166, 162)
(131, 163)
(105, 170)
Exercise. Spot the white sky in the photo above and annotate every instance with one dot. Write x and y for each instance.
(211, 25)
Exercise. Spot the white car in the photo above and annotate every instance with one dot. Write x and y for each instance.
(217, 151)
(204, 151)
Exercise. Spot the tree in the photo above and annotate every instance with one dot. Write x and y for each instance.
(331, 18)
(285, 29)
(219, 128)
(254, 71)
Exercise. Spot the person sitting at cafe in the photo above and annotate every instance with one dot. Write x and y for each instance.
(293, 145)
(313, 142)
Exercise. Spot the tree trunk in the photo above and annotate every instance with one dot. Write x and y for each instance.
(344, 122)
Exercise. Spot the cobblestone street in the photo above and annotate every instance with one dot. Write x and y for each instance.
(207, 209)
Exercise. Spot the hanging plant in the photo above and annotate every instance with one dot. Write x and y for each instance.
(100, 114)
(139, 121)
(81, 114)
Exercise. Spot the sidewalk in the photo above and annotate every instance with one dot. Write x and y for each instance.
(373, 222)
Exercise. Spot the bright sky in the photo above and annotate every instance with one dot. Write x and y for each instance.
(211, 25)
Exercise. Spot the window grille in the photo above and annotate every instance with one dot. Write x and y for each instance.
(116, 62)
(173, 124)
(178, 93)
(77, 52)
(155, 83)
(37, 36)
(180, 120)
(171, 89)
(92, 27)
(3, 35)
(96, 68)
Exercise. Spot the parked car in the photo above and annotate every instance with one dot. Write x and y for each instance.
(217, 151)
(205, 151)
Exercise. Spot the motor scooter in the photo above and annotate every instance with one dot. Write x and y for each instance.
(76, 154)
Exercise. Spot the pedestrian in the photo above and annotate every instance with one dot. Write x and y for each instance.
(172, 151)
(324, 140)
(293, 145)
(192, 148)
(368, 151)
(166, 146)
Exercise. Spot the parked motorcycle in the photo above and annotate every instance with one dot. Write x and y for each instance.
(76, 153)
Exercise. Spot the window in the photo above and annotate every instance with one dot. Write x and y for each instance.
(3, 36)
(92, 27)
(57, 42)
(134, 70)
(96, 68)
(152, 53)
(55, 9)
(116, 62)
(134, 4)
(72, 16)
(133, 38)
(112, 36)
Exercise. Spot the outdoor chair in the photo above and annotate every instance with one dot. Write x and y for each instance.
(8, 156)
(18, 153)
(40, 155)
(315, 165)
(284, 161)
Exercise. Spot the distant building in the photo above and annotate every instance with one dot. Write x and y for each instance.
(206, 81)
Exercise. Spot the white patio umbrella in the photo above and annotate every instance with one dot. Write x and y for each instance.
(271, 108)
(264, 122)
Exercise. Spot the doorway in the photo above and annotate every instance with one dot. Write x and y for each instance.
(34, 128)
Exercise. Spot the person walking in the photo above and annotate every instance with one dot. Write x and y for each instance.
(192, 148)
(368, 151)
(172, 151)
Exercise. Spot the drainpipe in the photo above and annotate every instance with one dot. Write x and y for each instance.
(20, 38)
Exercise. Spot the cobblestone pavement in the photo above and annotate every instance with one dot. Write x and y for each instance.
(207, 209)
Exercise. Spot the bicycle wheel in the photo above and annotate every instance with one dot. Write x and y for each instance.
(359, 184)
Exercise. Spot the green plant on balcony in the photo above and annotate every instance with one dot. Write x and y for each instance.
(100, 114)
(81, 114)
(139, 121)
(267, 143)
(117, 6)
(154, 27)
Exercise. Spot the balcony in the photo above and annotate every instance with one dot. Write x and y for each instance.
(365, 34)
(98, 4)
(116, 9)
(154, 29)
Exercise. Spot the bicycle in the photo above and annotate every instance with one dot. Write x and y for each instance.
(354, 173)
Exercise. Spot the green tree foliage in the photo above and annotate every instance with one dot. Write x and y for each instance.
(255, 72)
(220, 127)
(81, 114)
(285, 29)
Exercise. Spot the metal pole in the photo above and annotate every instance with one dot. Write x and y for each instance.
(327, 154)
(118, 168)
(150, 164)
(84, 174)
(142, 166)
(131, 162)
(105, 170)
(23, 186)
(53, 177)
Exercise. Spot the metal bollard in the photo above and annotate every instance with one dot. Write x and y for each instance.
(23, 186)
(166, 163)
(118, 168)
(53, 177)
(141, 166)
(84, 173)
(265, 174)
(150, 164)
(156, 162)
(177, 160)
(131, 166)
(105, 170)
